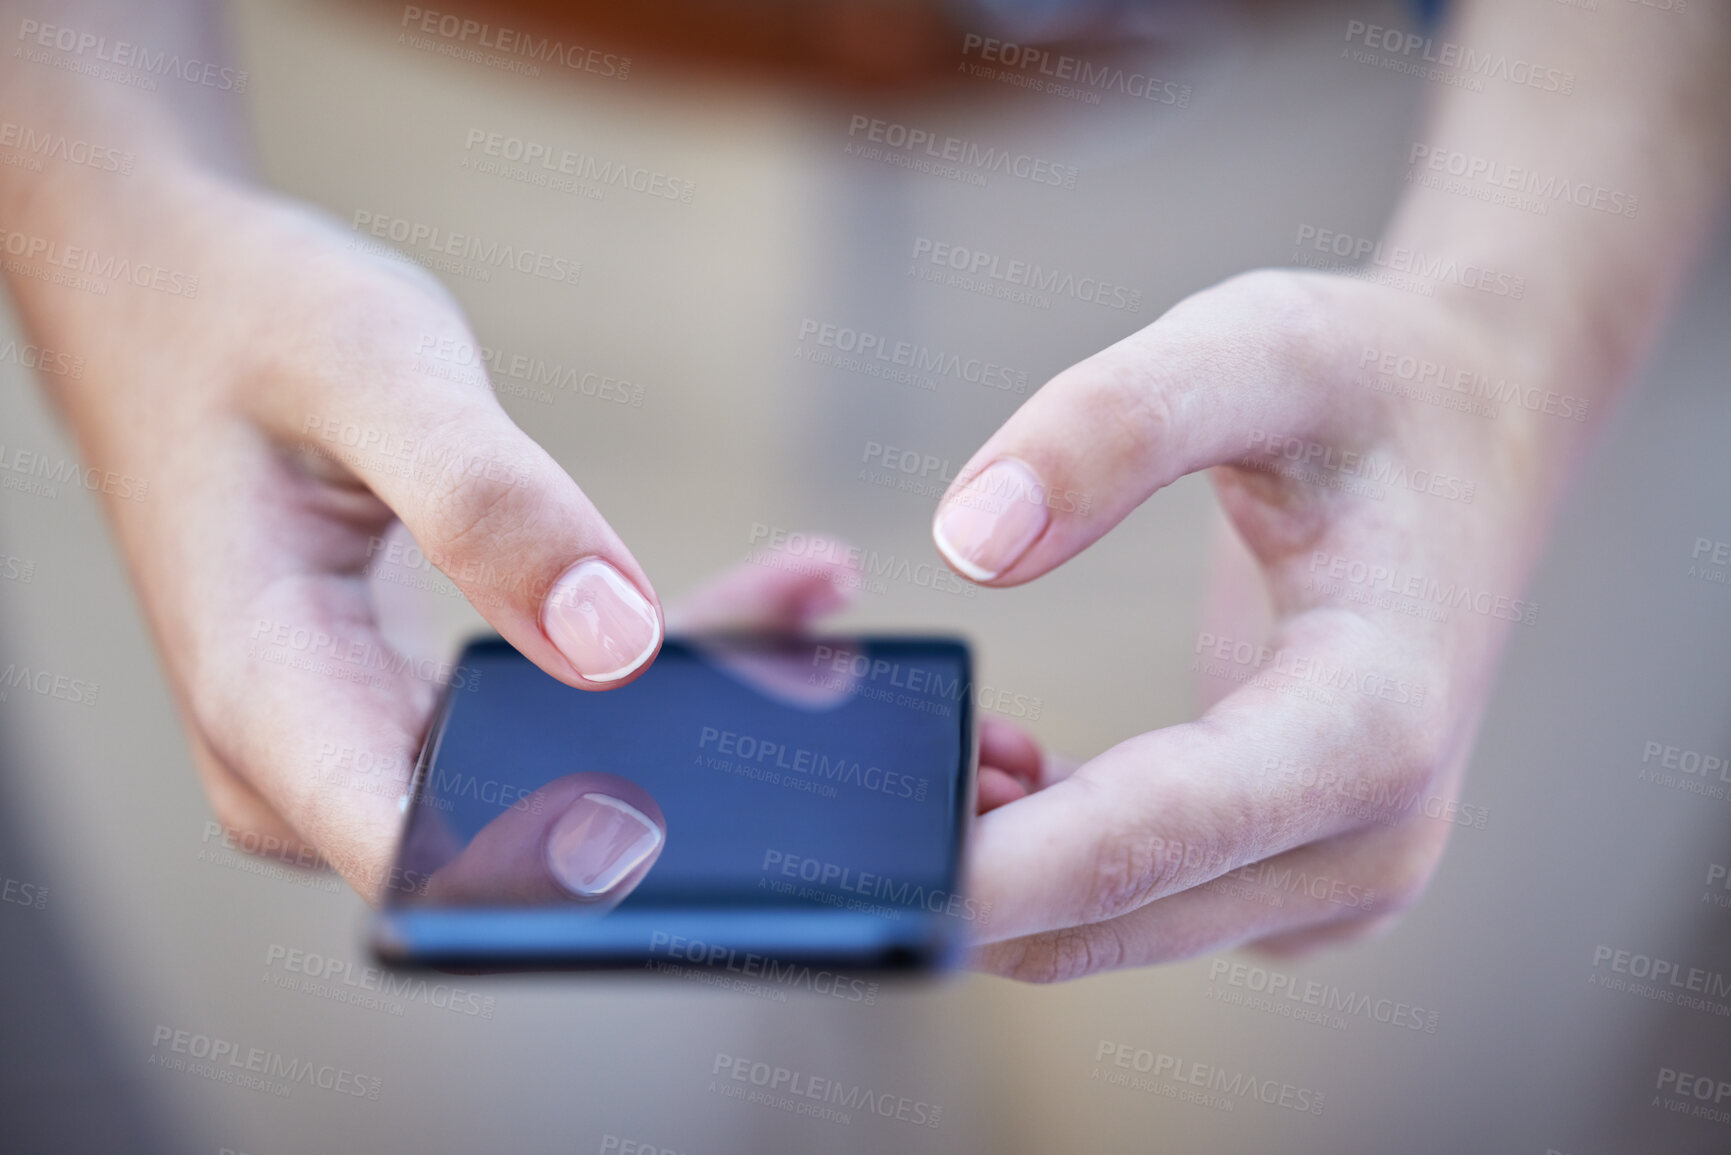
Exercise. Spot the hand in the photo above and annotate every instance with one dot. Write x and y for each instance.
(1326, 780)
(283, 419)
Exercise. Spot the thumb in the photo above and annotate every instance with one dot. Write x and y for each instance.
(1198, 387)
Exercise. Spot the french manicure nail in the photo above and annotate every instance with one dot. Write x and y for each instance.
(597, 842)
(989, 525)
(603, 626)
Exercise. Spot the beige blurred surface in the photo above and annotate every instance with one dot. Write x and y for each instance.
(701, 305)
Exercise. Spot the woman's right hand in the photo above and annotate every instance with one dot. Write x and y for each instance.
(255, 442)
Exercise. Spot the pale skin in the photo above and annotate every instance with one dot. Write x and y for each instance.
(1105, 866)
(1109, 866)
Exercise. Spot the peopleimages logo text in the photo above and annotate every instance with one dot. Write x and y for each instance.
(96, 265)
(467, 247)
(1415, 262)
(958, 150)
(990, 267)
(775, 755)
(58, 146)
(1073, 70)
(1481, 65)
(544, 49)
(125, 54)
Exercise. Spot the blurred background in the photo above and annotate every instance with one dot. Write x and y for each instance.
(124, 916)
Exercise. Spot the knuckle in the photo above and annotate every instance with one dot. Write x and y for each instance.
(1130, 870)
(472, 499)
(1062, 955)
(1124, 876)
(1405, 773)
(1121, 400)
(1298, 316)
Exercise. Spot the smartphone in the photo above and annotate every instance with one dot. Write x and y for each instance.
(810, 800)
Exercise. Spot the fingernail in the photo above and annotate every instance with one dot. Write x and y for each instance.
(603, 626)
(989, 525)
(597, 842)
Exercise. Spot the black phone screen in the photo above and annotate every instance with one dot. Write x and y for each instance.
(802, 784)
